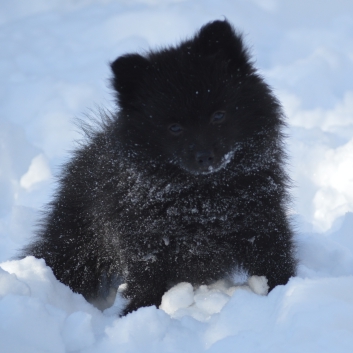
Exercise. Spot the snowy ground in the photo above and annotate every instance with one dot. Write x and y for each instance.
(54, 66)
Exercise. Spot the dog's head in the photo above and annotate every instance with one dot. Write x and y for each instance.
(192, 104)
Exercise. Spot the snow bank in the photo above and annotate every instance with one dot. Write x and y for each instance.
(38, 313)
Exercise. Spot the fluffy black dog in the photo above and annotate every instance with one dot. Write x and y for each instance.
(184, 183)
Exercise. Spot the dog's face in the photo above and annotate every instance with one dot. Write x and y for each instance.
(205, 145)
(198, 133)
(191, 105)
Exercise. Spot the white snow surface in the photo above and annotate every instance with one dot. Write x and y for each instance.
(54, 67)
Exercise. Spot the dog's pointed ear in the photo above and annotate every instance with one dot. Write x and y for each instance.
(219, 37)
(128, 72)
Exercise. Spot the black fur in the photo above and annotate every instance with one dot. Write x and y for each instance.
(185, 183)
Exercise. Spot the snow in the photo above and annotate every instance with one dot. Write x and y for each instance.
(54, 67)
(308, 314)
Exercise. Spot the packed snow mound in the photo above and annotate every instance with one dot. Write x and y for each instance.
(204, 301)
(40, 314)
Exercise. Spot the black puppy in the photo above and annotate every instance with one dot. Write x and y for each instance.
(184, 183)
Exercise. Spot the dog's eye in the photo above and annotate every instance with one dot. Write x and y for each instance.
(218, 117)
(175, 129)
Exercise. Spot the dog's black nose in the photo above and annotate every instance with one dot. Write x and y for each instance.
(204, 159)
